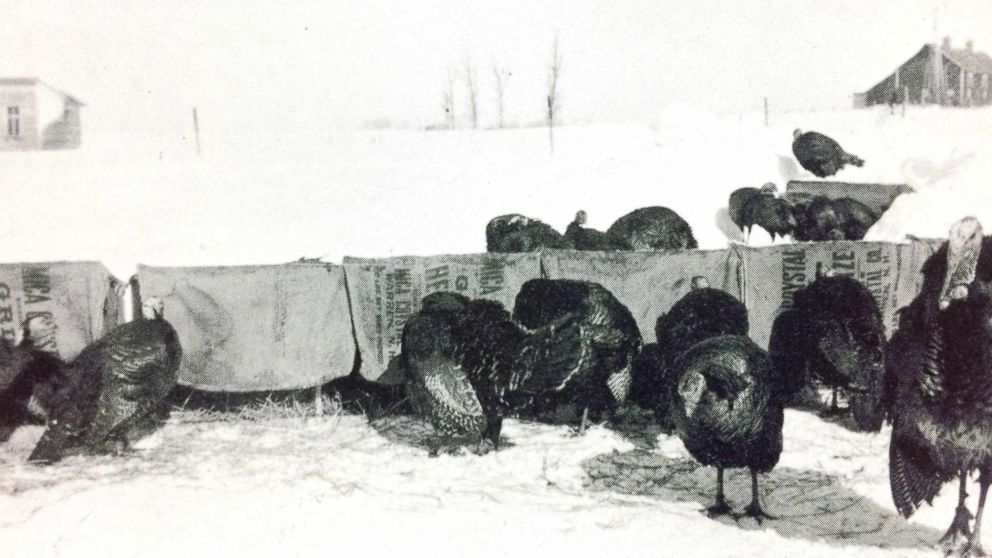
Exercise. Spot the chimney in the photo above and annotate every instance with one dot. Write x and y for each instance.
(970, 45)
(947, 43)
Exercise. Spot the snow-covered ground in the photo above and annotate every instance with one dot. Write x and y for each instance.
(255, 197)
(341, 485)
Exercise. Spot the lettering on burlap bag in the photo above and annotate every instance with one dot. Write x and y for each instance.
(772, 274)
(385, 292)
(78, 302)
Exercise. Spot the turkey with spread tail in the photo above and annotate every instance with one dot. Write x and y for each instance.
(608, 327)
(467, 363)
(941, 398)
(821, 154)
(115, 388)
(833, 333)
(654, 228)
(728, 413)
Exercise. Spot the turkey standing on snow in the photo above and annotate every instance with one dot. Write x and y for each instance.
(517, 233)
(727, 412)
(466, 360)
(820, 154)
(113, 387)
(590, 239)
(653, 228)
(942, 402)
(607, 325)
(833, 333)
(704, 312)
(23, 370)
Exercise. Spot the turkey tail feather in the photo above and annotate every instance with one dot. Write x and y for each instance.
(911, 479)
(552, 356)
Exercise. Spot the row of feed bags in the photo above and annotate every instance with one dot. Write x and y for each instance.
(261, 328)
(76, 302)
(384, 292)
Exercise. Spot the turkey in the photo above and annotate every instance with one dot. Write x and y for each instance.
(787, 348)
(821, 154)
(704, 312)
(833, 333)
(610, 329)
(855, 218)
(590, 239)
(941, 407)
(653, 228)
(817, 220)
(467, 363)
(114, 387)
(24, 370)
(728, 413)
(752, 206)
(517, 233)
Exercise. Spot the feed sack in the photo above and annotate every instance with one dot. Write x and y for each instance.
(385, 292)
(256, 328)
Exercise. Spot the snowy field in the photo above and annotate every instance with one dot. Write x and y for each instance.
(307, 486)
(340, 484)
(146, 197)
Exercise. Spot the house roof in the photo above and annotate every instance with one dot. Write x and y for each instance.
(970, 60)
(35, 81)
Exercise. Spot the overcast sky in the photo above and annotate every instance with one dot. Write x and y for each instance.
(310, 65)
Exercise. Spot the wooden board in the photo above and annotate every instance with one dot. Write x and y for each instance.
(876, 196)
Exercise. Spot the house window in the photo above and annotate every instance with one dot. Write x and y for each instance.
(13, 121)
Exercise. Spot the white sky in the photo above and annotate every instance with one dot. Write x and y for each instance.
(309, 65)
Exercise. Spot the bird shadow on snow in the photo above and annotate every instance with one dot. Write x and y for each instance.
(807, 504)
(413, 431)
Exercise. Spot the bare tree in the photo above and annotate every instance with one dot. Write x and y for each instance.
(502, 74)
(554, 71)
(473, 92)
(448, 101)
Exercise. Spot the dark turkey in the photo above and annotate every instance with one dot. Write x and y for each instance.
(113, 388)
(787, 348)
(942, 402)
(727, 412)
(820, 154)
(609, 328)
(752, 206)
(817, 220)
(467, 363)
(24, 369)
(654, 228)
(584, 238)
(703, 313)
(834, 334)
(855, 218)
(517, 233)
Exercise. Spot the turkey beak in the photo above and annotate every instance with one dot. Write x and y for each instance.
(963, 248)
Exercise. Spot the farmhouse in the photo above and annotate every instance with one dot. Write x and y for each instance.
(35, 115)
(937, 74)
